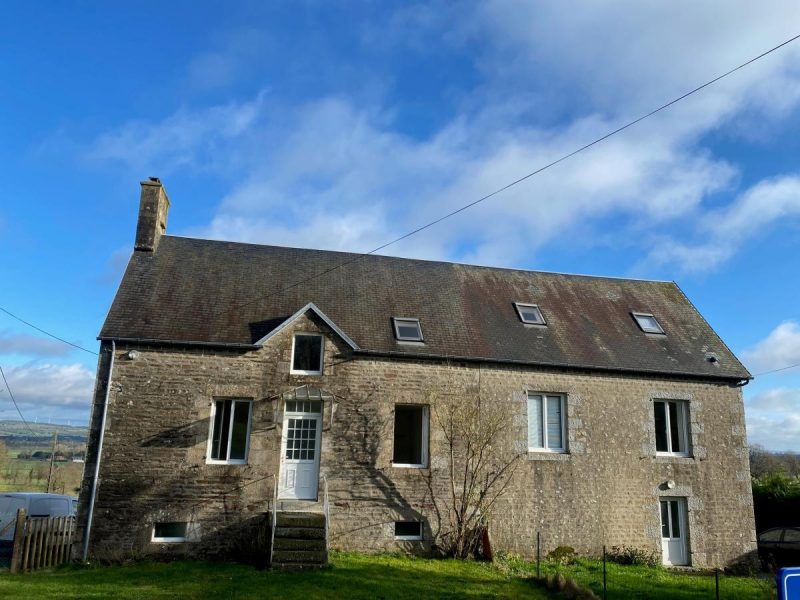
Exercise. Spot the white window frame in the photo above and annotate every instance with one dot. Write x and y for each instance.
(520, 305)
(401, 338)
(425, 442)
(659, 330)
(683, 431)
(234, 461)
(170, 540)
(294, 371)
(410, 538)
(544, 395)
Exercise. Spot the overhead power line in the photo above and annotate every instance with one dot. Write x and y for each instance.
(777, 370)
(524, 177)
(55, 337)
(15, 401)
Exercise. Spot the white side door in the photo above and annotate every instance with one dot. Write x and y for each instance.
(300, 446)
(673, 532)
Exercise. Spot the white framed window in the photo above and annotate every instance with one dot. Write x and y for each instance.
(307, 354)
(530, 313)
(647, 323)
(229, 440)
(410, 447)
(407, 329)
(547, 422)
(408, 530)
(170, 532)
(672, 427)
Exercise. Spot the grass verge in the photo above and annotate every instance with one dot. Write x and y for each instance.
(632, 582)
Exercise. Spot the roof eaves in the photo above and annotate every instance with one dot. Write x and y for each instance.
(238, 346)
(321, 315)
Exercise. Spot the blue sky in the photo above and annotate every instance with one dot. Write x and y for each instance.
(344, 125)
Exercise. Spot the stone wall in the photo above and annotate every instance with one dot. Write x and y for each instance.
(605, 490)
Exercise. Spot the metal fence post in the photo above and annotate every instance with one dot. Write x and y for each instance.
(19, 537)
(716, 582)
(538, 555)
(604, 574)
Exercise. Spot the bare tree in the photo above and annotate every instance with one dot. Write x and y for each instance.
(475, 463)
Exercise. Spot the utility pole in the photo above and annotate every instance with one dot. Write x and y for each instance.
(52, 460)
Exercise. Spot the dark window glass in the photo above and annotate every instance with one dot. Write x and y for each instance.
(664, 519)
(307, 353)
(408, 434)
(792, 536)
(241, 416)
(661, 426)
(49, 507)
(771, 536)
(229, 435)
(170, 530)
(408, 529)
(676, 520)
(674, 424)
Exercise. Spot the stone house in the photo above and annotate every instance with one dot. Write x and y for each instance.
(230, 373)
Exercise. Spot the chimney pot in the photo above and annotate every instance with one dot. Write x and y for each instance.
(153, 211)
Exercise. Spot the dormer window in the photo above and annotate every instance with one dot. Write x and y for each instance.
(529, 313)
(307, 350)
(647, 323)
(407, 330)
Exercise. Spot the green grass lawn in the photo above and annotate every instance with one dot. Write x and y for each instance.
(355, 576)
(649, 583)
(350, 576)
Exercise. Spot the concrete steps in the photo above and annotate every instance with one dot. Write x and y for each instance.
(299, 541)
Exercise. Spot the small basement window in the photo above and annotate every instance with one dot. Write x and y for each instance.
(408, 530)
(529, 313)
(647, 323)
(410, 436)
(170, 532)
(307, 354)
(407, 330)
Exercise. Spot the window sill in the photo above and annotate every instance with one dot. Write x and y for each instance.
(226, 462)
(539, 454)
(408, 466)
(407, 538)
(671, 455)
(169, 540)
(410, 342)
(310, 373)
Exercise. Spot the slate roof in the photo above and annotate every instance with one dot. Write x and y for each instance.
(203, 291)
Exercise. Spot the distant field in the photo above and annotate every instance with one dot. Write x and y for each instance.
(21, 475)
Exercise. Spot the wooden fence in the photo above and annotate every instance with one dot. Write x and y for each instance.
(41, 542)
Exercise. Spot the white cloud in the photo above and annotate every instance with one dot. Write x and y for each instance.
(726, 230)
(779, 349)
(773, 419)
(187, 138)
(335, 172)
(20, 343)
(43, 389)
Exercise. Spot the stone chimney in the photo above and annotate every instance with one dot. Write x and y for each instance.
(153, 210)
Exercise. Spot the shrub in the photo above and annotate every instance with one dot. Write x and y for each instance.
(563, 555)
(629, 555)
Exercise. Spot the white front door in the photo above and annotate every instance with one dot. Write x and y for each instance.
(673, 531)
(300, 445)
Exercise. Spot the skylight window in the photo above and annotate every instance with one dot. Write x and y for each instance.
(647, 323)
(529, 313)
(407, 330)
